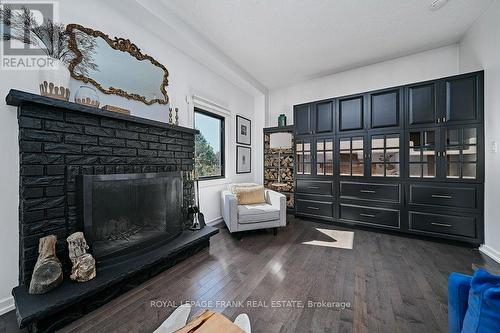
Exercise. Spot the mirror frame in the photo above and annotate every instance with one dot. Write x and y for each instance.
(120, 44)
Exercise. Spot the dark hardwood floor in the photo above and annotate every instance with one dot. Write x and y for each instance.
(392, 284)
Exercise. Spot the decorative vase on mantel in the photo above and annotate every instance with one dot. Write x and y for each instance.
(282, 120)
(55, 82)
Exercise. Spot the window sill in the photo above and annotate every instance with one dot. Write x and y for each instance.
(210, 182)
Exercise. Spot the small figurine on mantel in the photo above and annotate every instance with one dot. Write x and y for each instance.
(83, 268)
(47, 273)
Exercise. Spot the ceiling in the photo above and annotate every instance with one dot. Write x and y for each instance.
(280, 42)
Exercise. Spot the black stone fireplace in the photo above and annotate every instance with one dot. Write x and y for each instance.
(118, 178)
(124, 213)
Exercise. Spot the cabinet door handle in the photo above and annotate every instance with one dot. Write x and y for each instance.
(367, 215)
(313, 188)
(441, 224)
(441, 196)
(367, 191)
(444, 119)
(439, 120)
(313, 208)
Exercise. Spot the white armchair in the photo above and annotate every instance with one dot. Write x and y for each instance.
(271, 214)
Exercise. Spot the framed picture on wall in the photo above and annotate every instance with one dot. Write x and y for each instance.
(243, 159)
(243, 131)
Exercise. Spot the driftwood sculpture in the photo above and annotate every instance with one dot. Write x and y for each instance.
(47, 273)
(83, 263)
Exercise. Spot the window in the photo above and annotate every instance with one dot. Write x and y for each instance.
(209, 145)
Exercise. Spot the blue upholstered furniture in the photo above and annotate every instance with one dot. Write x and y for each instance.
(474, 303)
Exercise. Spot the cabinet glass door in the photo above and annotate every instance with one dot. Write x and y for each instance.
(461, 153)
(303, 153)
(352, 156)
(324, 157)
(385, 151)
(422, 153)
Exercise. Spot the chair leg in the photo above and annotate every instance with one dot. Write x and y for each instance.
(275, 231)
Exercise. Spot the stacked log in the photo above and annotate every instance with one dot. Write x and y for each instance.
(273, 164)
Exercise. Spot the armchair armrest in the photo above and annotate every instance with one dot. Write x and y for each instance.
(229, 210)
(458, 297)
(278, 200)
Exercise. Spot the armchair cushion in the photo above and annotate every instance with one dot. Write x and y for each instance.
(249, 195)
(483, 313)
(458, 295)
(257, 213)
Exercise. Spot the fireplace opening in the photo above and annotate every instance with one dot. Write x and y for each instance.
(127, 212)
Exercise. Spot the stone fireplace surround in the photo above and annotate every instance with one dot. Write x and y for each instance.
(58, 141)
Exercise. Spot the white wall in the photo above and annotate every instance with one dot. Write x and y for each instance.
(480, 49)
(187, 78)
(413, 68)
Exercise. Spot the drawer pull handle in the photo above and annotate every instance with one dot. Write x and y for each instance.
(441, 224)
(313, 188)
(313, 208)
(441, 196)
(367, 215)
(367, 191)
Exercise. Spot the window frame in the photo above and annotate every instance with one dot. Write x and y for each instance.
(222, 141)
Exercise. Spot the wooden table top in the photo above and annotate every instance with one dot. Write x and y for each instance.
(209, 322)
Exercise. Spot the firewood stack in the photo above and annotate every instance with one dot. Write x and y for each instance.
(271, 167)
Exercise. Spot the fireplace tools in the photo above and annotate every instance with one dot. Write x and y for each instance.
(198, 217)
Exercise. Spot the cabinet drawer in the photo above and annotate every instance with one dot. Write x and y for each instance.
(314, 187)
(461, 197)
(319, 208)
(443, 224)
(367, 191)
(375, 216)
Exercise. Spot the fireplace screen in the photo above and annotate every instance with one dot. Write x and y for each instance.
(124, 213)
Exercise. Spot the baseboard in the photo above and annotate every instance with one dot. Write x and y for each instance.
(490, 252)
(215, 221)
(6, 305)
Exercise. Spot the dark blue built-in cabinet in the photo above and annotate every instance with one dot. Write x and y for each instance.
(408, 158)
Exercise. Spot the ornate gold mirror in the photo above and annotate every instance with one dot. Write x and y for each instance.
(116, 66)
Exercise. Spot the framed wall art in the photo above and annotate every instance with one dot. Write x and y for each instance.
(243, 159)
(243, 131)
